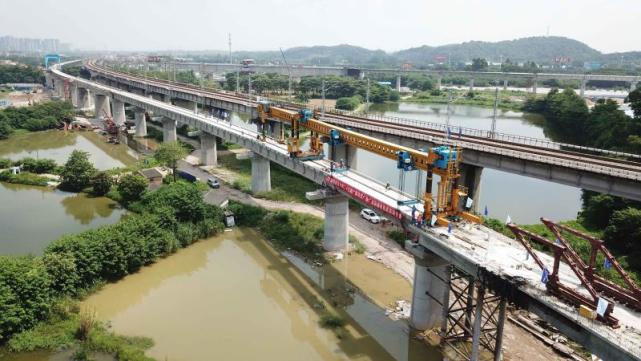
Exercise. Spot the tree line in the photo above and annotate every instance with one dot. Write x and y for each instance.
(21, 74)
(42, 116)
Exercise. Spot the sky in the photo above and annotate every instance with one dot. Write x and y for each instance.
(608, 26)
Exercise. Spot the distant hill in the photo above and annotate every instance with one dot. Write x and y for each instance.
(542, 50)
(537, 49)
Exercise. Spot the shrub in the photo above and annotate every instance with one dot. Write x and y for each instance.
(131, 187)
(23, 178)
(101, 183)
(77, 172)
(350, 103)
(332, 321)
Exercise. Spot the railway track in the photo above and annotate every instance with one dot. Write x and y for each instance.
(608, 165)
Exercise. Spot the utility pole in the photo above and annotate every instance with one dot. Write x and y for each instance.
(323, 101)
(289, 71)
(249, 84)
(231, 61)
(367, 97)
(237, 80)
(496, 103)
(449, 101)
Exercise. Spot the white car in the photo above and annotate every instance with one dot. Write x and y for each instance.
(370, 215)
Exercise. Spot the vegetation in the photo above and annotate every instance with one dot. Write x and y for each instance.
(397, 235)
(350, 103)
(31, 287)
(77, 172)
(101, 183)
(37, 117)
(286, 185)
(169, 153)
(131, 188)
(330, 320)
(20, 74)
(508, 99)
(23, 178)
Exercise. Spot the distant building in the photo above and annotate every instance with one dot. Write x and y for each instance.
(9, 44)
(592, 65)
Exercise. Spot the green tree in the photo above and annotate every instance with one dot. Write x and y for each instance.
(623, 234)
(101, 183)
(169, 153)
(479, 64)
(131, 187)
(77, 172)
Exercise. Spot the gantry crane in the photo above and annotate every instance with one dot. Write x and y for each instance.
(443, 161)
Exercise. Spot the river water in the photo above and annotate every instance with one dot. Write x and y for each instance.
(233, 297)
(31, 217)
(524, 199)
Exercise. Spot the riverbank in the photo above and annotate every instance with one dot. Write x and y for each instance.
(508, 100)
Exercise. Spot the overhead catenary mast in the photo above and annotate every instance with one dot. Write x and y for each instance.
(231, 61)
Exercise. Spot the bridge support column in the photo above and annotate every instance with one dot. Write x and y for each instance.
(141, 122)
(169, 130)
(534, 86)
(166, 98)
(439, 82)
(471, 84)
(261, 175)
(431, 285)
(336, 223)
(277, 130)
(634, 85)
(345, 153)
(505, 84)
(119, 112)
(208, 149)
(584, 84)
(471, 178)
(398, 83)
(48, 81)
(74, 95)
(101, 106)
(82, 97)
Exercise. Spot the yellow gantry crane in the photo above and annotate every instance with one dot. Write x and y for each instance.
(443, 161)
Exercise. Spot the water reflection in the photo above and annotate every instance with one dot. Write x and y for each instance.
(85, 208)
(58, 145)
(31, 217)
(234, 297)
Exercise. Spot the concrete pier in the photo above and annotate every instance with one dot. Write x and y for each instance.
(439, 82)
(82, 98)
(584, 84)
(169, 130)
(74, 95)
(101, 106)
(166, 98)
(119, 112)
(431, 277)
(336, 223)
(261, 175)
(208, 149)
(634, 85)
(472, 84)
(398, 83)
(471, 178)
(345, 153)
(505, 82)
(141, 122)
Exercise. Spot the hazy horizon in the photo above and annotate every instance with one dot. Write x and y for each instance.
(200, 25)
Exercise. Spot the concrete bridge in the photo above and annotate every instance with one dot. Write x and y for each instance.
(562, 163)
(298, 71)
(441, 255)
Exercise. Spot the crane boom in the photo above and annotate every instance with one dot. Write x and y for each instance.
(442, 161)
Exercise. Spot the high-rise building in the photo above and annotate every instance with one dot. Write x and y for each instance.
(27, 45)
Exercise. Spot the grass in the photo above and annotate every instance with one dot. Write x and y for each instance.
(67, 327)
(397, 236)
(484, 98)
(24, 178)
(286, 186)
(332, 321)
(581, 246)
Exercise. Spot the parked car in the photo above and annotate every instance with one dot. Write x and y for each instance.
(213, 182)
(187, 176)
(370, 215)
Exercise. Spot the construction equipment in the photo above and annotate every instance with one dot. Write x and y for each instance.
(630, 295)
(443, 161)
(110, 125)
(562, 251)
